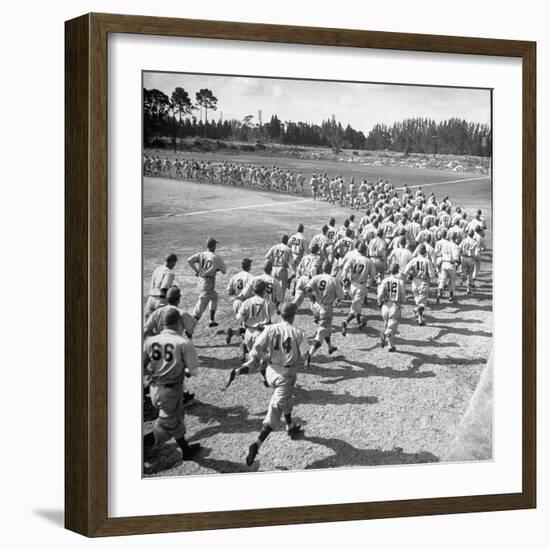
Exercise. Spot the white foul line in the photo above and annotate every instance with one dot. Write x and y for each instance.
(443, 182)
(271, 204)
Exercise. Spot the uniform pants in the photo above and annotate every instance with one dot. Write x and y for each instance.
(447, 275)
(322, 313)
(206, 297)
(281, 400)
(169, 403)
(358, 292)
(391, 315)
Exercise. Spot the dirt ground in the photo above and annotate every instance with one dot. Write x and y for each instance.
(360, 407)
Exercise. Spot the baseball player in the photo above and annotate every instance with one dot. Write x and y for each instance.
(281, 257)
(308, 268)
(273, 292)
(358, 270)
(323, 291)
(254, 315)
(282, 346)
(421, 269)
(391, 296)
(236, 285)
(162, 279)
(298, 246)
(469, 251)
(448, 258)
(168, 358)
(377, 252)
(205, 266)
(322, 242)
(155, 322)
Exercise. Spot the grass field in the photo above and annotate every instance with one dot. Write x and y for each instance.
(360, 407)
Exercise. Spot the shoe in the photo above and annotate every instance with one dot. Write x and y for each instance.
(451, 299)
(332, 349)
(295, 431)
(188, 398)
(252, 453)
(438, 297)
(232, 376)
(363, 323)
(212, 324)
(191, 451)
(422, 323)
(229, 335)
(392, 349)
(382, 340)
(344, 328)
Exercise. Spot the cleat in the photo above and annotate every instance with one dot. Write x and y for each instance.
(392, 349)
(382, 340)
(229, 335)
(363, 323)
(451, 299)
(212, 324)
(422, 323)
(252, 453)
(344, 328)
(188, 398)
(295, 431)
(191, 451)
(232, 376)
(332, 349)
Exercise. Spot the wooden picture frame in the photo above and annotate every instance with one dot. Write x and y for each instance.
(86, 280)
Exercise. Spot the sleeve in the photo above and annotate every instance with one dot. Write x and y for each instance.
(189, 322)
(347, 268)
(192, 260)
(431, 270)
(242, 313)
(408, 267)
(231, 286)
(277, 292)
(339, 290)
(269, 254)
(190, 359)
(303, 345)
(260, 346)
(150, 323)
(221, 265)
(381, 292)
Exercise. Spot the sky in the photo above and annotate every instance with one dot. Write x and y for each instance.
(360, 104)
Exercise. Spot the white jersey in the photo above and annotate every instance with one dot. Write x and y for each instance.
(239, 282)
(161, 280)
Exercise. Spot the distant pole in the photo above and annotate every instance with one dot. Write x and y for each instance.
(260, 117)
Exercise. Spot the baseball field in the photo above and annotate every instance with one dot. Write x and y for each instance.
(361, 406)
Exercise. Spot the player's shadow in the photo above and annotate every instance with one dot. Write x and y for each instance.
(219, 364)
(451, 320)
(345, 454)
(428, 343)
(324, 397)
(387, 372)
(339, 373)
(421, 359)
(462, 307)
(228, 466)
(444, 331)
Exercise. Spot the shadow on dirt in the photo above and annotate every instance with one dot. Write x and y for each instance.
(348, 455)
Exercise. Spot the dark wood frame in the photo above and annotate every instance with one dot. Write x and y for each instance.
(86, 274)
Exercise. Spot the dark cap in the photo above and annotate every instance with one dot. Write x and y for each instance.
(173, 293)
(211, 242)
(171, 258)
(288, 310)
(259, 286)
(268, 266)
(247, 262)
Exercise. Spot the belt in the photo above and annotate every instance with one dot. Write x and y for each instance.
(165, 385)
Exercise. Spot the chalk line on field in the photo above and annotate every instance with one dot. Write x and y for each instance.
(443, 182)
(271, 204)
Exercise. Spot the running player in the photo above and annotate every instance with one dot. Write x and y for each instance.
(205, 266)
(281, 257)
(162, 279)
(421, 269)
(236, 285)
(391, 296)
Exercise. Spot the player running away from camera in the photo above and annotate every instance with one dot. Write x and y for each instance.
(341, 247)
(314, 186)
(447, 256)
(421, 270)
(206, 265)
(298, 246)
(155, 322)
(323, 290)
(167, 359)
(378, 253)
(281, 257)
(478, 236)
(273, 291)
(282, 346)
(309, 266)
(322, 243)
(469, 251)
(391, 295)
(358, 270)
(162, 279)
(254, 315)
(236, 285)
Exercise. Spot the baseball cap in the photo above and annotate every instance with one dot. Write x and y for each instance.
(171, 258)
(211, 241)
(259, 286)
(173, 292)
(171, 317)
(288, 310)
(247, 262)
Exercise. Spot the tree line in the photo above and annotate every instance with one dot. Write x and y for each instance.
(175, 118)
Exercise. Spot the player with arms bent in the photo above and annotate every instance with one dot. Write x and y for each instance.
(282, 345)
(168, 357)
(162, 279)
(205, 265)
(391, 296)
(236, 285)
(422, 270)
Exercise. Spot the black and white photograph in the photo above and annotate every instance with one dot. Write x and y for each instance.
(317, 274)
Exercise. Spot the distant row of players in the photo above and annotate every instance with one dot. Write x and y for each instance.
(401, 239)
(333, 189)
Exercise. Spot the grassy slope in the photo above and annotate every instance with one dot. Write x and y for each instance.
(361, 407)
